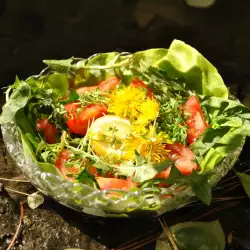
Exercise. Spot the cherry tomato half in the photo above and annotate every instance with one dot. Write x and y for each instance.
(49, 131)
(79, 123)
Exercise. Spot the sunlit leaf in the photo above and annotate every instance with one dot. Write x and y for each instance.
(245, 180)
(195, 236)
(35, 200)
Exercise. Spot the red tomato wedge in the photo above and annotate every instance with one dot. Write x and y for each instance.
(192, 105)
(93, 171)
(79, 123)
(113, 183)
(49, 131)
(62, 158)
(140, 84)
(104, 86)
(196, 121)
(183, 158)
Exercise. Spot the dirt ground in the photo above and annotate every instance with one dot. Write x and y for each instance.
(42, 228)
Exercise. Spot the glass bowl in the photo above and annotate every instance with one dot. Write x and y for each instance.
(83, 198)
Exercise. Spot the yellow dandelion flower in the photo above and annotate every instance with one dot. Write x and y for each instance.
(140, 130)
(125, 102)
(151, 148)
(149, 111)
(154, 151)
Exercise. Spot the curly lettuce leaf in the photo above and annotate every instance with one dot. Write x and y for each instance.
(17, 101)
(54, 86)
(184, 62)
(180, 61)
(94, 69)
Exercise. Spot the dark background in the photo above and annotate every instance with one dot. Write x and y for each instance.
(34, 30)
(31, 31)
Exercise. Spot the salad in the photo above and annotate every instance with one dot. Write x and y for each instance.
(150, 124)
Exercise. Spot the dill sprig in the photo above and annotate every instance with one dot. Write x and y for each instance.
(172, 121)
(96, 97)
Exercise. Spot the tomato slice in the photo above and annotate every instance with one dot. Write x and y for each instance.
(49, 131)
(184, 160)
(104, 86)
(164, 174)
(196, 121)
(178, 149)
(79, 123)
(109, 84)
(114, 183)
(93, 111)
(140, 84)
(192, 105)
(200, 122)
(83, 90)
(62, 158)
(92, 170)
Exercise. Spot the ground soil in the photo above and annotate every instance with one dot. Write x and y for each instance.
(42, 228)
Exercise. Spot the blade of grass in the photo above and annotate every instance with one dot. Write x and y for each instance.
(136, 238)
(140, 243)
(216, 210)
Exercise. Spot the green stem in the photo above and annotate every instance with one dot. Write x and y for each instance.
(116, 65)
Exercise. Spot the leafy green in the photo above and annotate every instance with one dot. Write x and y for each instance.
(23, 124)
(86, 178)
(18, 100)
(60, 65)
(93, 97)
(58, 82)
(198, 182)
(172, 121)
(29, 154)
(143, 172)
(229, 126)
(245, 180)
(194, 235)
(94, 69)
(73, 96)
(186, 63)
(139, 160)
(180, 61)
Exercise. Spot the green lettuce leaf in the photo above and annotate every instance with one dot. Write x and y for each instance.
(186, 63)
(198, 182)
(29, 154)
(230, 124)
(19, 98)
(143, 172)
(180, 61)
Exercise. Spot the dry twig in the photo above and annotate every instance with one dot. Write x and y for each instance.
(14, 180)
(12, 243)
(168, 233)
